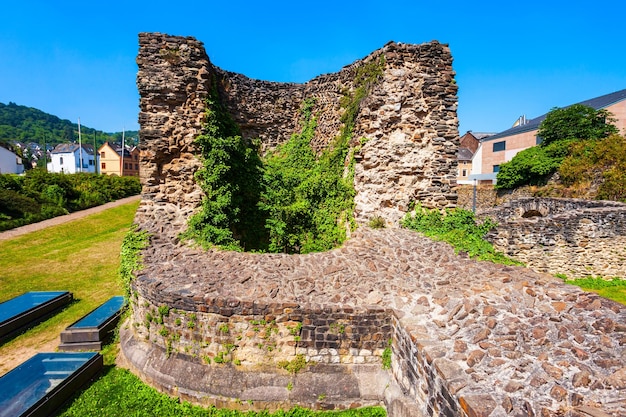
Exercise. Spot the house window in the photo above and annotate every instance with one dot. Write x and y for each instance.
(91, 162)
(61, 161)
(101, 154)
(136, 167)
(538, 140)
(464, 174)
(104, 165)
(499, 146)
(496, 168)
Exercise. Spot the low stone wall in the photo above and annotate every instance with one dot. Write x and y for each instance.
(468, 338)
(577, 238)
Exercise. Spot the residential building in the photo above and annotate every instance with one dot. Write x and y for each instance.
(10, 163)
(114, 162)
(468, 144)
(70, 158)
(495, 150)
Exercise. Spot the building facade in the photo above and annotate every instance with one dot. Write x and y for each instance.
(70, 158)
(502, 147)
(115, 162)
(10, 163)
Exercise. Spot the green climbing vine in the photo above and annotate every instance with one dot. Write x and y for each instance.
(292, 200)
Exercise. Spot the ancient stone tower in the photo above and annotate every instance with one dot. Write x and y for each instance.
(408, 125)
(391, 318)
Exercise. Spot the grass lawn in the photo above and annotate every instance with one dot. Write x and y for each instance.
(614, 289)
(82, 257)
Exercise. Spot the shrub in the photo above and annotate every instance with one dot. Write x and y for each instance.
(40, 195)
(459, 228)
(533, 166)
(602, 162)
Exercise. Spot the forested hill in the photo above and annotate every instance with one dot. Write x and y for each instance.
(27, 124)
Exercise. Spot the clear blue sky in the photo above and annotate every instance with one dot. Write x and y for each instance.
(77, 59)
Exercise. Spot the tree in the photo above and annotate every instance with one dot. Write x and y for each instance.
(533, 166)
(576, 122)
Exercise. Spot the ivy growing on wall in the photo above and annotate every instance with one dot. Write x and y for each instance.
(292, 200)
(230, 178)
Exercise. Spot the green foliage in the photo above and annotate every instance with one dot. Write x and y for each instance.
(27, 124)
(308, 200)
(577, 122)
(600, 161)
(118, 393)
(377, 222)
(130, 254)
(295, 365)
(459, 228)
(40, 195)
(533, 166)
(561, 128)
(294, 201)
(230, 178)
(386, 356)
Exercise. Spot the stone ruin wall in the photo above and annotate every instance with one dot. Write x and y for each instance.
(577, 238)
(408, 121)
(461, 330)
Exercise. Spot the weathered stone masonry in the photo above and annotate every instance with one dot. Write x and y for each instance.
(577, 238)
(468, 338)
(408, 121)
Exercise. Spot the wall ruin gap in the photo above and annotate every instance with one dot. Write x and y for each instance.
(468, 338)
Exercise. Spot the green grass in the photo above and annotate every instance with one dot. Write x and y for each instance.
(82, 257)
(614, 289)
(459, 228)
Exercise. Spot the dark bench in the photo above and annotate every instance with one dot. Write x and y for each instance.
(39, 386)
(91, 331)
(29, 309)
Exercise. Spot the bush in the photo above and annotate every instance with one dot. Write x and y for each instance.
(459, 228)
(533, 166)
(40, 195)
(601, 162)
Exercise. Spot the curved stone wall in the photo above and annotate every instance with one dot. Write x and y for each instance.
(468, 338)
(408, 123)
(257, 331)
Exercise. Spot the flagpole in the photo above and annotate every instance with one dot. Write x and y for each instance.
(95, 153)
(123, 149)
(80, 148)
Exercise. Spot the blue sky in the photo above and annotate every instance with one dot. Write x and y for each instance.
(77, 59)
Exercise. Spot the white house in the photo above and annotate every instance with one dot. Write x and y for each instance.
(65, 158)
(10, 163)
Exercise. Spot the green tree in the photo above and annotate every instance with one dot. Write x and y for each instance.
(561, 128)
(533, 166)
(576, 122)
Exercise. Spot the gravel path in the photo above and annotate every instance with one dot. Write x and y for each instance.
(10, 234)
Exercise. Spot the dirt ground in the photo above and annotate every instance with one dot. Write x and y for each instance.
(24, 349)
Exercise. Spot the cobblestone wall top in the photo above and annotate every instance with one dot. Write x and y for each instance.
(508, 333)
